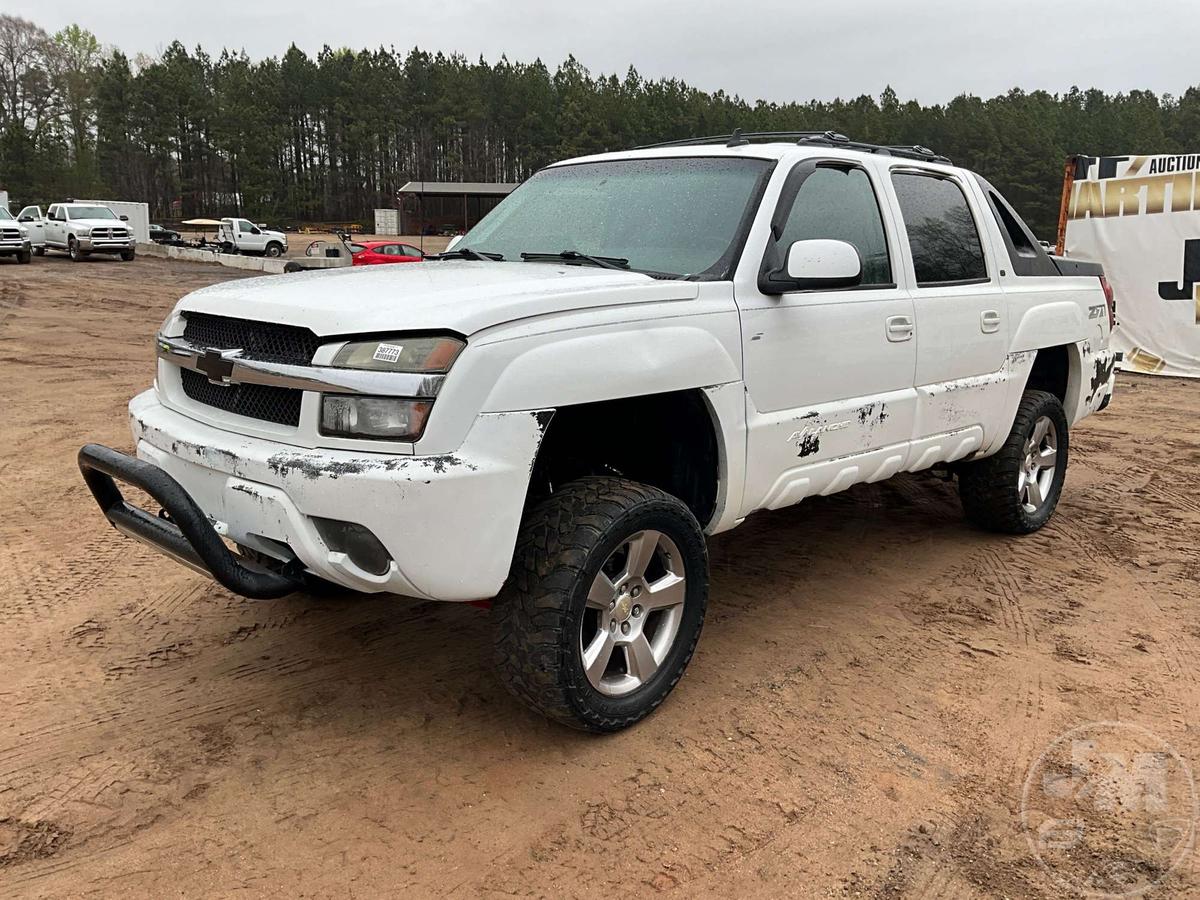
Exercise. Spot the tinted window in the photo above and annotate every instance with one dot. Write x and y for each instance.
(941, 230)
(839, 204)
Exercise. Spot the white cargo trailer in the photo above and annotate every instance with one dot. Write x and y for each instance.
(387, 221)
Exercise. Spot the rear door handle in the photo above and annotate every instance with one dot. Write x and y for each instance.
(899, 328)
(989, 321)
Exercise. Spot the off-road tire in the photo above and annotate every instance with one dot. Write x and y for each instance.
(537, 617)
(988, 487)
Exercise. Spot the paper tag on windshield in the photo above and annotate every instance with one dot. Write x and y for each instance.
(388, 353)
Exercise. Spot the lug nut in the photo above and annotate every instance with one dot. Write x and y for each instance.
(612, 626)
(637, 610)
(612, 604)
(624, 628)
(637, 592)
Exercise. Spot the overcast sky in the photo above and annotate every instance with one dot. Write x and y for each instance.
(797, 50)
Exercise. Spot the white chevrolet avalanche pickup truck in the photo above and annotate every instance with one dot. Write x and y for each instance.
(631, 352)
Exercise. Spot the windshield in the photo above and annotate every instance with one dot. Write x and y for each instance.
(5, 214)
(90, 212)
(681, 216)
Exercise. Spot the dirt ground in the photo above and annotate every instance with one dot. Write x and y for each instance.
(874, 681)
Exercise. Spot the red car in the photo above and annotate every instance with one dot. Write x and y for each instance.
(374, 253)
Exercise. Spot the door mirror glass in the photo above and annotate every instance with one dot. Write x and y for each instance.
(25, 219)
(822, 263)
(124, 218)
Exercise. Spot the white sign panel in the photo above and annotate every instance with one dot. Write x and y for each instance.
(1139, 216)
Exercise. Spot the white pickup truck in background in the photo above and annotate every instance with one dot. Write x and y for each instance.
(14, 237)
(631, 352)
(244, 236)
(79, 230)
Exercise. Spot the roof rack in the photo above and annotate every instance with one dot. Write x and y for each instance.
(741, 138)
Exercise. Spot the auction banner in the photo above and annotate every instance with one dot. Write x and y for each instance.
(1139, 216)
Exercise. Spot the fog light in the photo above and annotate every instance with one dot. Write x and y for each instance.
(349, 415)
(357, 542)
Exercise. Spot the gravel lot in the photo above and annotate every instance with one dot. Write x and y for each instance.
(873, 684)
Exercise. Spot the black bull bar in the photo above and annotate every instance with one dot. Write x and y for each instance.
(185, 534)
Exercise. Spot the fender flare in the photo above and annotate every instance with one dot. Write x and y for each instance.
(611, 364)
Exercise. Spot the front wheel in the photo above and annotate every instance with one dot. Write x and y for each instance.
(1016, 490)
(274, 251)
(127, 255)
(73, 250)
(604, 605)
(25, 257)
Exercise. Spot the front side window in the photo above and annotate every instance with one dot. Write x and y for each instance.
(679, 216)
(31, 212)
(838, 203)
(942, 233)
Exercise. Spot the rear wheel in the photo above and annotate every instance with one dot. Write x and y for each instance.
(1016, 490)
(605, 603)
(40, 251)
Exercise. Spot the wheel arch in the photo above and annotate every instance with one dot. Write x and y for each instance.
(1059, 370)
(673, 441)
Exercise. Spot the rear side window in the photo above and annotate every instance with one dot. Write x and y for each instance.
(941, 230)
(839, 204)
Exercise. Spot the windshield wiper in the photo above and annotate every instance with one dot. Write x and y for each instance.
(468, 253)
(604, 262)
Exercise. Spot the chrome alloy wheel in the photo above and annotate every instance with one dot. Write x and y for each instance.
(634, 609)
(1041, 460)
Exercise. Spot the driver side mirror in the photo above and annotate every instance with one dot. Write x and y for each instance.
(255, 231)
(25, 219)
(813, 265)
(124, 218)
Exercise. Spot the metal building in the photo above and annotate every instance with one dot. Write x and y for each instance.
(444, 207)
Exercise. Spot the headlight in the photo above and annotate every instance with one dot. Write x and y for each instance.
(401, 354)
(393, 418)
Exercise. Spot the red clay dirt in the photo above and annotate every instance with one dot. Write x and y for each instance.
(873, 683)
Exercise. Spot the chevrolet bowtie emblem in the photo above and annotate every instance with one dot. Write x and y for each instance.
(217, 365)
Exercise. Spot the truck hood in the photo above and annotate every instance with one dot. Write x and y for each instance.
(100, 223)
(464, 296)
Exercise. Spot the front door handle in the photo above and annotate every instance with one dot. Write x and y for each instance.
(989, 321)
(899, 328)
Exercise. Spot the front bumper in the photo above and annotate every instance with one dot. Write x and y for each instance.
(106, 245)
(449, 522)
(7, 248)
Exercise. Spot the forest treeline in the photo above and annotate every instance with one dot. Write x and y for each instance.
(331, 137)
